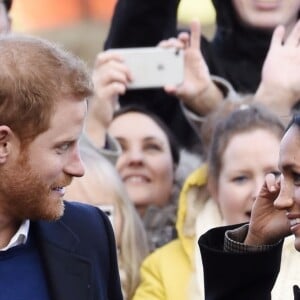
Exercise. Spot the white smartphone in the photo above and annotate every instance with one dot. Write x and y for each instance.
(153, 67)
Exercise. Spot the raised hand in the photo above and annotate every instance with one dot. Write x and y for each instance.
(280, 85)
(110, 77)
(268, 224)
(197, 91)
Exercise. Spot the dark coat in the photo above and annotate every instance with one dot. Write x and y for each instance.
(235, 276)
(79, 254)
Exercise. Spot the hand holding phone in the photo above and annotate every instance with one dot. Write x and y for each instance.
(153, 67)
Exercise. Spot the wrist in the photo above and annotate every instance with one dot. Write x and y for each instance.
(206, 100)
(257, 240)
(279, 100)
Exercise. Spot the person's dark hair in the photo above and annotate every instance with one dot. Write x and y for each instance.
(7, 4)
(174, 146)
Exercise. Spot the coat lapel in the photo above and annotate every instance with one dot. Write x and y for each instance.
(68, 274)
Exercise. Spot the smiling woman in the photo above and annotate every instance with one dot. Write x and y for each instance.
(244, 148)
(147, 166)
(260, 247)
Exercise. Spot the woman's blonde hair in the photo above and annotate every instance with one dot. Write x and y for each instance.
(133, 246)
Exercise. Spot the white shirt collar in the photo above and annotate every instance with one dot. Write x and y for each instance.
(20, 237)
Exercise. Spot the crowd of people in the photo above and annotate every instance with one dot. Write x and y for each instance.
(177, 192)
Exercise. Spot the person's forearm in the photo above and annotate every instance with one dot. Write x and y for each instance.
(225, 272)
(206, 102)
(218, 90)
(278, 100)
(239, 241)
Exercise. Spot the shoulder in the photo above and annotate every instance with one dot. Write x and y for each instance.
(81, 211)
(86, 219)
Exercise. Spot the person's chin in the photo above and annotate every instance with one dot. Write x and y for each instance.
(53, 211)
(57, 211)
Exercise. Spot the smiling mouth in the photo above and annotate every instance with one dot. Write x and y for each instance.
(136, 179)
(294, 222)
(60, 190)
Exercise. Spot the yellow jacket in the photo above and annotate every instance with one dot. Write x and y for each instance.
(165, 273)
(174, 271)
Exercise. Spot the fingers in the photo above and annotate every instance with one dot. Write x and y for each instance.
(277, 37)
(110, 74)
(110, 70)
(270, 188)
(271, 183)
(195, 35)
(184, 37)
(172, 42)
(106, 56)
(109, 66)
(170, 89)
(294, 37)
(116, 88)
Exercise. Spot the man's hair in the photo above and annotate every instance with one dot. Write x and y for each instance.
(35, 75)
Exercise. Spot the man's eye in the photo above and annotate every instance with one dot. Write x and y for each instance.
(63, 147)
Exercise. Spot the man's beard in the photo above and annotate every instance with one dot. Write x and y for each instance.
(26, 196)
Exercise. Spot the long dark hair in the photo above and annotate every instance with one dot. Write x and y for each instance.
(174, 146)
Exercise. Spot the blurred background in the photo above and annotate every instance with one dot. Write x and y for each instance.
(82, 25)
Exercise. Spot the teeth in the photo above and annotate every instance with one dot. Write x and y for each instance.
(136, 179)
(59, 189)
(295, 221)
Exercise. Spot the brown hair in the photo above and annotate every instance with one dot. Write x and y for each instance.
(246, 118)
(210, 122)
(35, 75)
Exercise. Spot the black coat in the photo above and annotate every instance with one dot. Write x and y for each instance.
(236, 53)
(235, 276)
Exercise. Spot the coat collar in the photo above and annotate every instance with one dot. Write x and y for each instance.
(68, 273)
(296, 292)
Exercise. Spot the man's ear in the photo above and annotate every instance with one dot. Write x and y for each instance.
(5, 142)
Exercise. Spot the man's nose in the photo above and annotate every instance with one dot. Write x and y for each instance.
(74, 166)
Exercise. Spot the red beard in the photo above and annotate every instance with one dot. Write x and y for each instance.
(26, 196)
